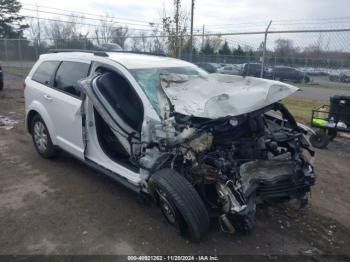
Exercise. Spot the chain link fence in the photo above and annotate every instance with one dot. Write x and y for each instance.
(323, 56)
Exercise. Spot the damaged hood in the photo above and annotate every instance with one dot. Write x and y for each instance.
(217, 95)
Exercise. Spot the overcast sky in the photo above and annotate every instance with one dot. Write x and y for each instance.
(210, 12)
(226, 16)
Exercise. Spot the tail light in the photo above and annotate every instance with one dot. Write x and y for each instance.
(24, 86)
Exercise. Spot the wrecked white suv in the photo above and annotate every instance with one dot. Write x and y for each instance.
(201, 145)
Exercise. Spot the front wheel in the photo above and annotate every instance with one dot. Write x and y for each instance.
(180, 203)
(41, 138)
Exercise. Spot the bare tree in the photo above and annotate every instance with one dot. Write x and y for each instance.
(111, 32)
(68, 34)
(175, 26)
(136, 44)
(104, 32)
(285, 47)
(156, 45)
(143, 40)
(120, 35)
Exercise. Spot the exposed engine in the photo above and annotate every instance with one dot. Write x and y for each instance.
(235, 162)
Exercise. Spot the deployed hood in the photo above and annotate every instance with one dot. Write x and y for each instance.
(217, 95)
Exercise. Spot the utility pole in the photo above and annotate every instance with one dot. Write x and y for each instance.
(191, 38)
(39, 31)
(203, 30)
(264, 51)
(177, 21)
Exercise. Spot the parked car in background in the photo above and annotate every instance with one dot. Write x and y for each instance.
(110, 47)
(230, 70)
(285, 73)
(209, 67)
(345, 77)
(334, 77)
(340, 76)
(254, 69)
(1, 79)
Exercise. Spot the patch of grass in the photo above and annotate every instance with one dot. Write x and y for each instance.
(302, 108)
(16, 70)
(323, 86)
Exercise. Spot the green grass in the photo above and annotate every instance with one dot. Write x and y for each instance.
(302, 108)
(16, 70)
(315, 85)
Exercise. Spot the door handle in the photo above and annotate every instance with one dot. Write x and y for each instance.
(48, 97)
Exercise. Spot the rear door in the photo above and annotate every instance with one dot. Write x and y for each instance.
(65, 104)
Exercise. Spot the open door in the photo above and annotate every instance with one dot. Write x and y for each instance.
(118, 105)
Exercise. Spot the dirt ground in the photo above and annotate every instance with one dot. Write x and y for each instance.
(63, 207)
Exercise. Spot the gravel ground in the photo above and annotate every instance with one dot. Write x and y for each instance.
(63, 207)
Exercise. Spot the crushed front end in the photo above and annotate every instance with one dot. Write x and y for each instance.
(233, 141)
(237, 162)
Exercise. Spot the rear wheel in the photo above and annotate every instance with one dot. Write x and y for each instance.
(41, 138)
(180, 203)
(320, 139)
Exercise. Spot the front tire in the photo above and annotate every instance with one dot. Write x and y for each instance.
(41, 138)
(180, 203)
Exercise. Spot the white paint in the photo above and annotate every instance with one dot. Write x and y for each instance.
(216, 95)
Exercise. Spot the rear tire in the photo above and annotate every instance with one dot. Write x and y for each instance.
(41, 138)
(180, 203)
(320, 140)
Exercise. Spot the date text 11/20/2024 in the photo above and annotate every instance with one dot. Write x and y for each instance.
(173, 258)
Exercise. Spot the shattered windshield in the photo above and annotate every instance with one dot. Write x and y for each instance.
(149, 79)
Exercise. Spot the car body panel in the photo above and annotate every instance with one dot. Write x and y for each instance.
(219, 95)
(65, 109)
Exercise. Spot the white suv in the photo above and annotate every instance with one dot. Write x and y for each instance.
(200, 145)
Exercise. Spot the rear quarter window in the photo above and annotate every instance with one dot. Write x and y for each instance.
(44, 73)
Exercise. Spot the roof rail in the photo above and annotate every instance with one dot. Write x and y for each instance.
(103, 53)
(138, 52)
(95, 52)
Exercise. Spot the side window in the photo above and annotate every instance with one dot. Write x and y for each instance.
(68, 75)
(44, 73)
(122, 98)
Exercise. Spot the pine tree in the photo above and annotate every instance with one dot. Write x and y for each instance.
(11, 25)
(225, 49)
(208, 48)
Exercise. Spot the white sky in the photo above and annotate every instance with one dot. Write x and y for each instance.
(226, 15)
(210, 12)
